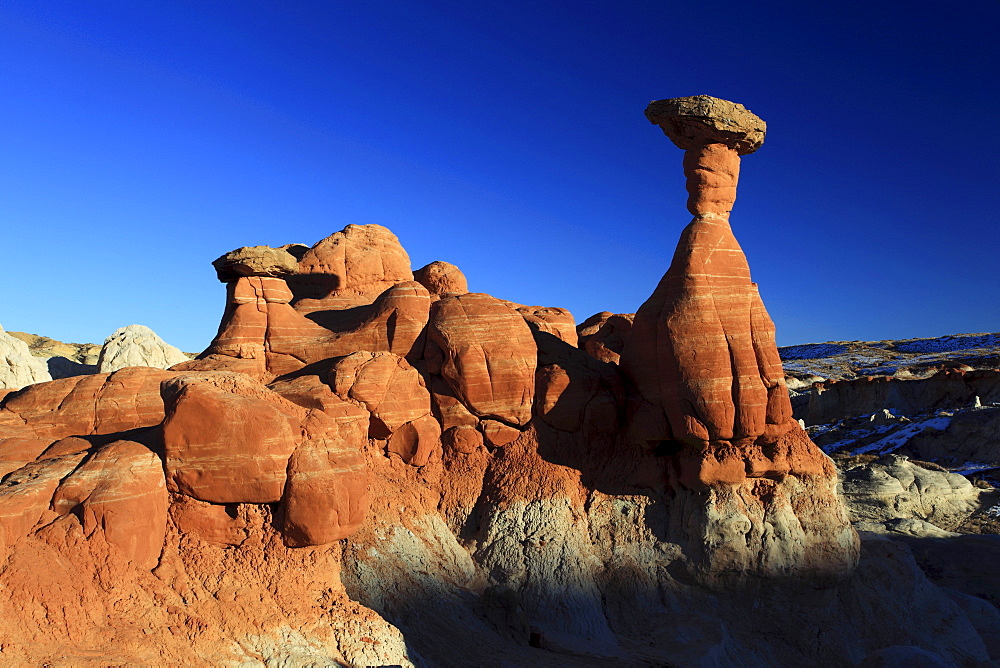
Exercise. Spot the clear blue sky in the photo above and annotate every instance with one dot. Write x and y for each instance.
(140, 140)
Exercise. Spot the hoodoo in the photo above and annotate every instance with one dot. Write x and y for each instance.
(759, 495)
(375, 466)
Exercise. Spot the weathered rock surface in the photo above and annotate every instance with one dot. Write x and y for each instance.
(558, 322)
(396, 396)
(62, 359)
(255, 261)
(18, 367)
(702, 351)
(349, 268)
(119, 491)
(263, 335)
(949, 388)
(894, 488)
(693, 122)
(137, 345)
(126, 400)
(442, 278)
(603, 334)
(364, 469)
(484, 350)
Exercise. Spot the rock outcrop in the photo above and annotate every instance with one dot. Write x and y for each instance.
(442, 278)
(946, 389)
(893, 488)
(372, 467)
(137, 345)
(18, 367)
(703, 357)
(349, 268)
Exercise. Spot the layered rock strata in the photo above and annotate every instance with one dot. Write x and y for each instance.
(369, 466)
(702, 356)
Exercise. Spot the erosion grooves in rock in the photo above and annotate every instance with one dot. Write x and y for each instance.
(702, 352)
(370, 466)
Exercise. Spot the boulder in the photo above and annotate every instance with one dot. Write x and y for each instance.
(349, 268)
(397, 398)
(128, 399)
(326, 496)
(895, 488)
(484, 350)
(603, 335)
(18, 367)
(119, 491)
(442, 278)
(137, 345)
(558, 322)
(255, 261)
(228, 438)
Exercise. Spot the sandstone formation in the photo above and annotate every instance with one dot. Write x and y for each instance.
(894, 488)
(603, 334)
(137, 345)
(17, 365)
(373, 467)
(349, 268)
(948, 388)
(442, 278)
(484, 350)
(702, 355)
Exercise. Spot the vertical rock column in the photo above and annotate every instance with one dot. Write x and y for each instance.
(754, 494)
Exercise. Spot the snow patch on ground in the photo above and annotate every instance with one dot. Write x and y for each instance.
(810, 351)
(944, 344)
(898, 438)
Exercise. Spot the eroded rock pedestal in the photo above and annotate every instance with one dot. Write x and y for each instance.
(374, 466)
(758, 495)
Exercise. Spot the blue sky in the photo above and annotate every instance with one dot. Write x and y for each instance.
(141, 140)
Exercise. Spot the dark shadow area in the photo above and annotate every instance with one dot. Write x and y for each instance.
(969, 563)
(63, 367)
(343, 320)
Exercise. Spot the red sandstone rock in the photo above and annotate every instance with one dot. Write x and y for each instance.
(702, 346)
(463, 439)
(228, 438)
(442, 278)
(702, 354)
(385, 384)
(259, 325)
(119, 491)
(18, 451)
(25, 495)
(555, 321)
(414, 441)
(397, 398)
(498, 434)
(326, 496)
(603, 335)
(82, 405)
(349, 268)
(448, 409)
(484, 350)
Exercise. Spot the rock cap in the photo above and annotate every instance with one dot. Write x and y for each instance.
(255, 261)
(692, 122)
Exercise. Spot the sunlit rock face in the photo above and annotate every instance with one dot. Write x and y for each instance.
(374, 466)
(702, 354)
